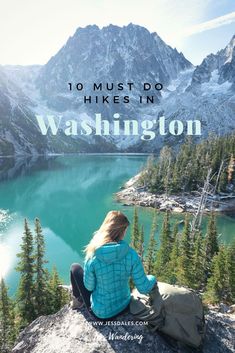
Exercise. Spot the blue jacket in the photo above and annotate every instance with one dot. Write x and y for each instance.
(107, 275)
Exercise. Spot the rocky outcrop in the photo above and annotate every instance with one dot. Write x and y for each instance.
(111, 54)
(18, 132)
(132, 194)
(222, 62)
(128, 54)
(71, 331)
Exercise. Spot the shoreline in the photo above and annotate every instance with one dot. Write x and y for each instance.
(23, 156)
(131, 195)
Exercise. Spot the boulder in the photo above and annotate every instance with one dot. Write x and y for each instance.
(70, 331)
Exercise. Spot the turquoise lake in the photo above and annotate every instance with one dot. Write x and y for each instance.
(71, 196)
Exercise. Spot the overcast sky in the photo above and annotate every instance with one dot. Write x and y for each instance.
(31, 31)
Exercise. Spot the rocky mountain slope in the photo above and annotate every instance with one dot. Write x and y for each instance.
(19, 131)
(69, 331)
(220, 65)
(112, 55)
(206, 92)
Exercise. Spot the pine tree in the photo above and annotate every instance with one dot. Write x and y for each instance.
(184, 261)
(218, 285)
(48, 294)
(7, 320)
(211, 243)
(40, 286)
(163, 254)
(198, 272)
(165, 162)
(25, 294)
(140, 246)
(186, 170)
(231, 169)
(136, 239)
(147, 174)
(172, 266)
(135, 230)
(151, 251)
(231, 260)
(56, 294)
(223, 182)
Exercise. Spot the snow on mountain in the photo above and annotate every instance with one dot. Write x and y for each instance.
(126, 54)
(206, 93)
(221, 64)
(19, 132)
(111, 54)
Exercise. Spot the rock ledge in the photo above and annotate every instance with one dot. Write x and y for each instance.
(70, 331)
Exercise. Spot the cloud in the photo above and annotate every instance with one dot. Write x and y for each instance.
(208, 25)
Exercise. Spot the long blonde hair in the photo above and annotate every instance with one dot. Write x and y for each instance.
(111, 230)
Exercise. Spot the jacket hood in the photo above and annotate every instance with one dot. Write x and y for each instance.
(112, 252)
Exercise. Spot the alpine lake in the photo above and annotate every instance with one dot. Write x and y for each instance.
(71, 195)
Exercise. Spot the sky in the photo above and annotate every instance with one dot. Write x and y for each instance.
(31, 31)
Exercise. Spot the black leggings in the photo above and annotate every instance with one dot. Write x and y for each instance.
(79, 290)
(78, 287)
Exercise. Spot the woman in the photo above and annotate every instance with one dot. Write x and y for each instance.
(109, 264)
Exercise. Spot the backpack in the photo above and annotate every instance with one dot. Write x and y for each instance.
(176, 311)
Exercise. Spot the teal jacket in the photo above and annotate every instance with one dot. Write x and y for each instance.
(107, 275)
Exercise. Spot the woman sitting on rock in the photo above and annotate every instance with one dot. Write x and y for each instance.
(110, 262)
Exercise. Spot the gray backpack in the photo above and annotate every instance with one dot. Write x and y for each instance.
(175, 311)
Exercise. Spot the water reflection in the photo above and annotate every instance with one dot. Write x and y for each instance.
(13, 167)
(72, 199)
(57, 252)
(70, 195)
(5, 260)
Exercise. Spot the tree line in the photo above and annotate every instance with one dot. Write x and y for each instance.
(187, 258)
(39, 291)
(185, 170)
(182, 257)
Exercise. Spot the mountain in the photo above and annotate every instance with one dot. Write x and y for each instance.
(19, 132)
(218, 68)
(111, 54)
(129, 54)
(205, 93)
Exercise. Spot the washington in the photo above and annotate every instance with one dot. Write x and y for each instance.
(146, 129)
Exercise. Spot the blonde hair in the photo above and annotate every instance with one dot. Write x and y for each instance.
(112, 229)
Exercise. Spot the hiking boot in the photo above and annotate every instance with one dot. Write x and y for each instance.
(76, 303)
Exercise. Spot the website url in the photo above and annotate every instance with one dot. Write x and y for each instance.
(119, 323)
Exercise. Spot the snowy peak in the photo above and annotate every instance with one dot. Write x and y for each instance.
(222, 64)
(229, 50)
(114, 54)
(111, 54)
